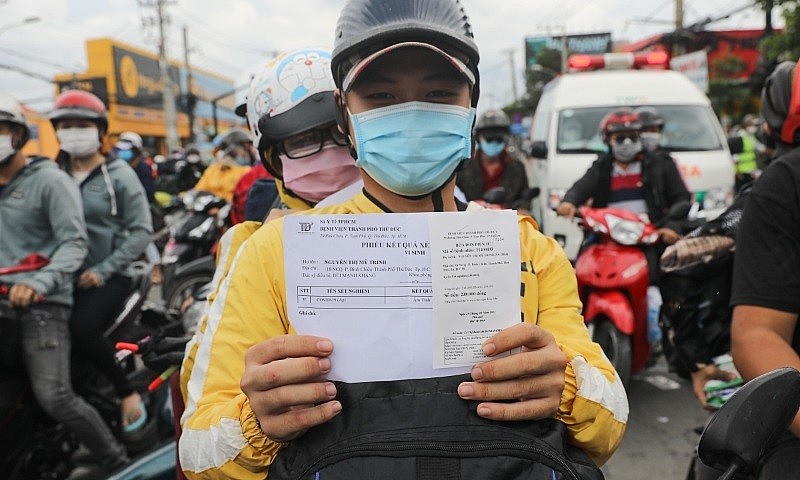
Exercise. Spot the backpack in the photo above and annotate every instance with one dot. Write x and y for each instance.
(421, 429)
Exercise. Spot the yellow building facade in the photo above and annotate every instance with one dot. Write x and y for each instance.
(128, 80)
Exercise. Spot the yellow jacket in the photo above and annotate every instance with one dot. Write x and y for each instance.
(221, 437)
(220, 179)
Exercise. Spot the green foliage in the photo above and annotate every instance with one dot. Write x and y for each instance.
(783, 45)
(548, 63)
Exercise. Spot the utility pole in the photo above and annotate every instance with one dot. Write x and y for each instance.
(189, 84)
(168, 95)
(510, 52)
(677, 48)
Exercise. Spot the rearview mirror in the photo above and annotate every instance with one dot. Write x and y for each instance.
(751, 420)
(735, 144)
(538, 149)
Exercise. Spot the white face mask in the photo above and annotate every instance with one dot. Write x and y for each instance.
(7, 149)
(79, 142)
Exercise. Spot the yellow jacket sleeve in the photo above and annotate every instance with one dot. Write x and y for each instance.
(594, 405)
(221, 438)
(228, 247)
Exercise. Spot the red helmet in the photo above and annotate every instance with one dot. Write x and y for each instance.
(622, 120)
(80, 104)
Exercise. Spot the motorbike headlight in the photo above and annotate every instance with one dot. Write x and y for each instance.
(717, 198)
(624, 232)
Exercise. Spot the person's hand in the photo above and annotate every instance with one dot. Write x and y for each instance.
(566, 209)
(534, 377)
(284, 381)
(88, 279)
(668, 235)
(703, 375)
(22, 296)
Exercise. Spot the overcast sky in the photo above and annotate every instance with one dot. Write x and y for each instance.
(234, 37)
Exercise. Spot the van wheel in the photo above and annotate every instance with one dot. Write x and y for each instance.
(616, 345)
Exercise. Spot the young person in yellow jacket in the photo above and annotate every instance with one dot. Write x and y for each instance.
(265, 386)
(301, 147)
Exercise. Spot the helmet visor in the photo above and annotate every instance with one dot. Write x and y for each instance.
(360, 65)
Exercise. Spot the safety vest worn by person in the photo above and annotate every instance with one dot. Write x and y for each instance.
(746, 161)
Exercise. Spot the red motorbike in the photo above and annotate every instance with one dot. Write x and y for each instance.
(613, 276)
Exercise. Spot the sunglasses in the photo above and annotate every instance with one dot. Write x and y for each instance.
(493, 138)
(620, 138)
(311, 141)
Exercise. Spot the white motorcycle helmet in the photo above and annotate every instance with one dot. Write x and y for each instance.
(11, 112)
(292, 93)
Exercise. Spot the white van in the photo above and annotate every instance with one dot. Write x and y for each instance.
(566, 140)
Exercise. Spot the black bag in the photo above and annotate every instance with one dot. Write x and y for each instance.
(695, 316)
(422, 429)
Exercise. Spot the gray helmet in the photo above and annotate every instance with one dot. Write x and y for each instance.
(493, 120)
(777, 102)
(649, 117)
(366, 26)
(235, 136)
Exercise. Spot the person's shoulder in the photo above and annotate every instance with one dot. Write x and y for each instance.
(45, 168)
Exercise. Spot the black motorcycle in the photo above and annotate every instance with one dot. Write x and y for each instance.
(32, 445)
(192, 237)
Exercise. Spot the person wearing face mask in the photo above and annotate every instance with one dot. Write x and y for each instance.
(323, 173)
(492, 165)
(119, 227)
(635, 179)
(232, 160)
(652, 126)
(129, 149)
(753, 152)
(407, 84)
(40, 212)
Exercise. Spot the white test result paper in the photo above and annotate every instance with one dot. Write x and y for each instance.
(368, 282)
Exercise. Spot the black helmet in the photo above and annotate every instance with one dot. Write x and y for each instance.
(495, 121)
(649, 117)
(780, 106)
(367, 26)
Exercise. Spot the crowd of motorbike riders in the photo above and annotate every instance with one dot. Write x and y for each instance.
(93, 211)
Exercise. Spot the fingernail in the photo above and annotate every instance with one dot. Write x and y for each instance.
(484, 411)
(489, 348)
(324, 346)
(476, 373)
(336, 406)
(324, 364)
(330, 389)
(465, 390)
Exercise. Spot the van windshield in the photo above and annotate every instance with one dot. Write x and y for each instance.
(686, 128)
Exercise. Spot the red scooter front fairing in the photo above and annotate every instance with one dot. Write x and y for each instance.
(613, 277)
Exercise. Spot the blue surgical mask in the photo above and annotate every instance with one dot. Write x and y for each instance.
(126, 155)
(243, 161)
(492, 149)
(412, 148)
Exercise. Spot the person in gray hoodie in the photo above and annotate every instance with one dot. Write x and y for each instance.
(119, 228)
(40, 213)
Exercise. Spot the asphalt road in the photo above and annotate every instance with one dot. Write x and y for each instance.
(660, 438)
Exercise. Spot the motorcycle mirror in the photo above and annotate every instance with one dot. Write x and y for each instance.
(495, 195)
(735, 144)
(538, 149)
(532, 193)
(750, 422)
